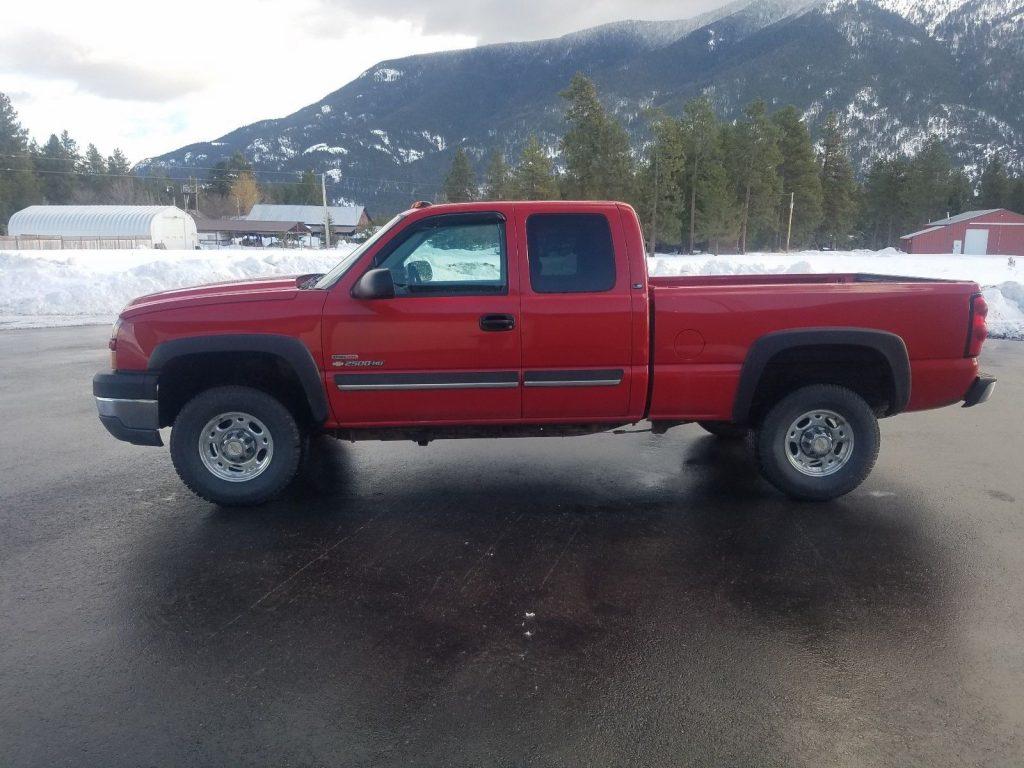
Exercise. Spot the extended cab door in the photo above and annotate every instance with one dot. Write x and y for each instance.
(577, 314)
(447, 347)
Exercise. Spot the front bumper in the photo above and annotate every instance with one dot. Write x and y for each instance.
(979, 391)
(128, 407)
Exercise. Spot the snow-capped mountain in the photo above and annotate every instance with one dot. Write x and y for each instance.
(897, 70)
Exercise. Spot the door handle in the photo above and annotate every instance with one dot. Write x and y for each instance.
(497, 322)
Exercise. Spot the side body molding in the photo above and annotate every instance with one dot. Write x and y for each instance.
(889, 345)
(289, 349)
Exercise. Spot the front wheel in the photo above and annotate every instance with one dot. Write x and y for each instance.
(818, 443)
(235, 446)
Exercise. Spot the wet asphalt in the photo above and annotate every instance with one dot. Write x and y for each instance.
(597, 601)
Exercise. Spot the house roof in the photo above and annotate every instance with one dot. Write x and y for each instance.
(965, 216)
(310, 215)
(250, 226)
(920, 232)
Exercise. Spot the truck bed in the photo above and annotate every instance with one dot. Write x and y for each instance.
(704, 326)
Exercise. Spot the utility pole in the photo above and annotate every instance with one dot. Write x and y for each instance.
(195, 179)
(789, 228)
(327, 216)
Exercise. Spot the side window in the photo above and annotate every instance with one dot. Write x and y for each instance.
(570, 253)
(450, 258)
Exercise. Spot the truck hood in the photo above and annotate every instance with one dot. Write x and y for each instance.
(258, 289)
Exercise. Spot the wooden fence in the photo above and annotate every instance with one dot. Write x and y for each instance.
(59, 243)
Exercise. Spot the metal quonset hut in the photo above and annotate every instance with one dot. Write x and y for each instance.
(161, 226)
(995, 231)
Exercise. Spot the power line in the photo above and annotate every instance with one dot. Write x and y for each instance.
(162, 180)
(254, 171)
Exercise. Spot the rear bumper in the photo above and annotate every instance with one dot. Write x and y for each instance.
(128, 407)
(979, 391)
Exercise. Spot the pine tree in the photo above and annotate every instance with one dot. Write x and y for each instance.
(460, 184)
(598, 164)
(886, 192)
(799, 172)
(19, 186)
(717, 213)
(961, 192)
(753, 156)
(929, 183)
(701, 139)
(122, 187)
(660, 184)
(838, 188)
(94, 162)
(496, 178)
(117, 163)
(994, 188)
(94, 168)
(533, 178)
(1017, 195)
(56, 169)
(306, 191)
(225, 172)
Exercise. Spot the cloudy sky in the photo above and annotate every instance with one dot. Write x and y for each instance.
(149, 77)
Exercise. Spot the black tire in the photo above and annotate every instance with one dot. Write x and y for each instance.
(724, 429)
(200, 410)
(772, 443)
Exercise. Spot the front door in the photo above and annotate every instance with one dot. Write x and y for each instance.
(577, 316)
(447, 347)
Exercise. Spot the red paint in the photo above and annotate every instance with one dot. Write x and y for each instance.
(1005, 235)
(702, 330)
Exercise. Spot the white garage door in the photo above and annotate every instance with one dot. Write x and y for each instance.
(976, 242)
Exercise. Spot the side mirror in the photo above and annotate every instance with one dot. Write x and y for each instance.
(375, 284)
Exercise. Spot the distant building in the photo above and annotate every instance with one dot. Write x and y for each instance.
(217, 232)
(345, 219)
(994, 231)
(102, 226)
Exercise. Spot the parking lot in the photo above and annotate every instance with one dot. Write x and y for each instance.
(607, 600)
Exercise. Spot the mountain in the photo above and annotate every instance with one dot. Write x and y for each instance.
(896, 70)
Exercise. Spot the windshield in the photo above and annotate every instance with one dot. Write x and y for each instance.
(346, 263)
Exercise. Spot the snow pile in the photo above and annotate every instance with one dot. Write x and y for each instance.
(46, 288)
(43, 288)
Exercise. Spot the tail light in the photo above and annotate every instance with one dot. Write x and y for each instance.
(112, 344)
(977, 331)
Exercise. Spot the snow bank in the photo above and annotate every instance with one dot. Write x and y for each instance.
(45, 288)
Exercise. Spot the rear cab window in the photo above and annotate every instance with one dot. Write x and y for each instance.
(570, 253)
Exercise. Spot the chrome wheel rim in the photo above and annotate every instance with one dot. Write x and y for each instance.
(819, 443)
(236, 446)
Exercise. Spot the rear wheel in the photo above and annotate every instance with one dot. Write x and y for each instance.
(818, 443)
(724, 429)
(235, 446)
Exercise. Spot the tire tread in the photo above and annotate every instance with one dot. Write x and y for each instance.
(235, 398)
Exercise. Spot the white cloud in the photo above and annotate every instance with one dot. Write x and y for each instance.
(150, 77)
(500, 20)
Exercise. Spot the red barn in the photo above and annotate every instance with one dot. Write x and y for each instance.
(996, 231)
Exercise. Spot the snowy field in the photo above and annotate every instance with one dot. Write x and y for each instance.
(47, 288)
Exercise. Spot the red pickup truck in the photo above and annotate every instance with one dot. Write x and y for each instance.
(512, 319)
